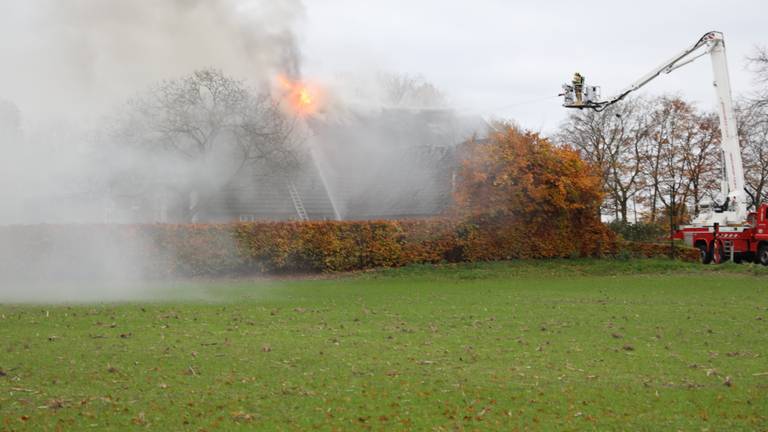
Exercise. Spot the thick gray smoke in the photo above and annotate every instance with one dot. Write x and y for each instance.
(70, 63)
(386, 146)
(66, 66)
(77, 58)
(90, 86)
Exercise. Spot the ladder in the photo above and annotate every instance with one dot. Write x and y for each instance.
(297, 203)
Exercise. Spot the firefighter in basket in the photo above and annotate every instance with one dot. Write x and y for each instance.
(578, 88)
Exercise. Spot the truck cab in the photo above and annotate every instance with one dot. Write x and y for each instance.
(761, 234)
(761, 223)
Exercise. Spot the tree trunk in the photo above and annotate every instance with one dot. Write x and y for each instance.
(623, 209)
(653, 205)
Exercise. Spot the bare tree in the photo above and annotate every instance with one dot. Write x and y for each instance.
(411, 91)
(664, 158)
(612, 141)
(701, 157)
(209, 127)
(681, 158)
(753, 133)
(759, 64)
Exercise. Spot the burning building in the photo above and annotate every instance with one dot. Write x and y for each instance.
(353, 163)
(387, 164)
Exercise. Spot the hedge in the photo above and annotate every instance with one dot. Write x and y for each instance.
(654, 250)
(280, 247)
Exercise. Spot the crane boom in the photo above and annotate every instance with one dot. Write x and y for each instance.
(734, 167)
(734, 205)
(681, 59)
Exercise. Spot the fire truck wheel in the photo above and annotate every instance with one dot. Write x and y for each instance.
(763, 255)
(704, 254)
(717, 252)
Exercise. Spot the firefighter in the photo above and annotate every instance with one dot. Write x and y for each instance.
(578, 87)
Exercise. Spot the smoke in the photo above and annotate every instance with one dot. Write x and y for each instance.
(380, 145)
(67, 66)
(386, 145)
(73, 62)
(78, 58)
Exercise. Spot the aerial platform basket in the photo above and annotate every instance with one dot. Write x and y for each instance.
(590, 97)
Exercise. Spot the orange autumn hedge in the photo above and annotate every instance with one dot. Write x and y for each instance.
(345, 246)
(195, 250)
(655, 250)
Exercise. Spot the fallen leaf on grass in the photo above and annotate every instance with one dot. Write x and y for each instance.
(617, 335)
(20, 389)
(55, 404)
(628, 348)
(140, 419)
(266, 348)
(243, 417)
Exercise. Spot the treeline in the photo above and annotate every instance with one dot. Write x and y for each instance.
(659, 158)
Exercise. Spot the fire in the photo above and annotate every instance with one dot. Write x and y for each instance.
(300, 97)
(305, 97)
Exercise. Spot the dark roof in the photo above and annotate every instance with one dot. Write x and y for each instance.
(267, 197)
(393, 163)
(387, 164)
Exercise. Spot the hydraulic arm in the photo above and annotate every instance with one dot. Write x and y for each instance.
(731, 206)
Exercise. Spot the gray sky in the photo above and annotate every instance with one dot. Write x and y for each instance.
(492, 56)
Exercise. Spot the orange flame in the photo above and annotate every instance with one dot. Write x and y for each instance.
(300, 97)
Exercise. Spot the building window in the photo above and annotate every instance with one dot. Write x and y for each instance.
(247, 218)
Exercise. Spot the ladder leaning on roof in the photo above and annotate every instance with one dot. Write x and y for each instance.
(298, 204)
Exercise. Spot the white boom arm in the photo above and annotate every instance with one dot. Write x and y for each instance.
(713, 44)
(729, 142)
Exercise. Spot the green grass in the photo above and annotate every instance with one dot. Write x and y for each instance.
(559, 345)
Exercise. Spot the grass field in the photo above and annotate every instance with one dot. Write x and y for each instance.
(562, 345)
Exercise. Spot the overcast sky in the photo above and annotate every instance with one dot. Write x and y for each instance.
(493, 56)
